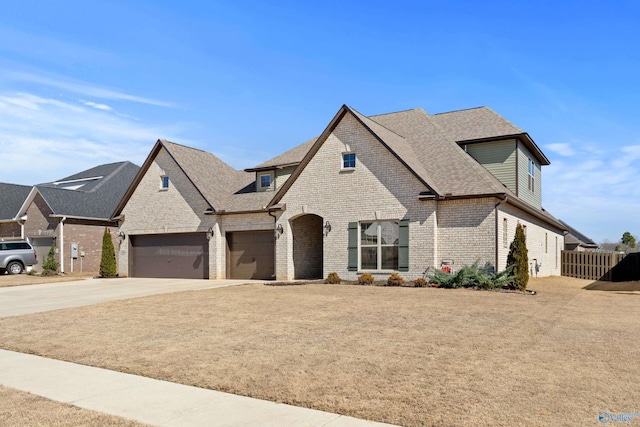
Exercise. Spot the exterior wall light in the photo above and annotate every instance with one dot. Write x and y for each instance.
(121, 236)
(327, 228)
(278, 231)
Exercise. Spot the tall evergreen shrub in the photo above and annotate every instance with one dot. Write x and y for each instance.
(108, 262)
(518, 260)
(50, 266)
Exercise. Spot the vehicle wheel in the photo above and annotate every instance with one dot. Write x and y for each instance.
(14, 267)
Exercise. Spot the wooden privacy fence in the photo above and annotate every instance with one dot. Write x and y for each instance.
(593, 265)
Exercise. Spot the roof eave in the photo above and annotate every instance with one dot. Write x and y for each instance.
(272, 167)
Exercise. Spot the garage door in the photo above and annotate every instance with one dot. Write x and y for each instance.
(250, 255)
(170, 255)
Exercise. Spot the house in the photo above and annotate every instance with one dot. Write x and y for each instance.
(71, 212)
(11, 221)
(576, 241)
(391, 192)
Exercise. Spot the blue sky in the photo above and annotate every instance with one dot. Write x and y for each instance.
(86, 83)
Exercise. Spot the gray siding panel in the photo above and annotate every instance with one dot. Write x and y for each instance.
(499, 158)
(532, 197)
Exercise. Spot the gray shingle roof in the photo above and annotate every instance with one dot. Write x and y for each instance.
(452, 171)
(12, 196)
(216, 180)
(574, 237)
(475, 123)
(97, 199)
(426, 144)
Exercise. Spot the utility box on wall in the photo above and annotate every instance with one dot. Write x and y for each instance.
(74, 250)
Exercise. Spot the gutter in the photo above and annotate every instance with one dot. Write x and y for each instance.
(268, 209)
(82, 217)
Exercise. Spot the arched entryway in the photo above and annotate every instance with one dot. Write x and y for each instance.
(307, 246)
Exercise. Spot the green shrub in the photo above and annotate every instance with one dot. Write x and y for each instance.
(108, 261)
(420, 283)
(395, 280)
(518, 260)
(365, 279)
(472, 276)
(47, 273)
(333, 279)
(50, 266)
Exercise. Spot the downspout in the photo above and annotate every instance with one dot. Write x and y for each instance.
(62, 243)
(497, 234)
(275, 246)
(21, 221)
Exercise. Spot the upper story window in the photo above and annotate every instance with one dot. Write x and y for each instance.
(265, 181)
(379, 242)
(348, 160)
(164, 182)
(532, 175)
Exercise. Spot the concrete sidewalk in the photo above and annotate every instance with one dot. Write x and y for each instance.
(154, 402)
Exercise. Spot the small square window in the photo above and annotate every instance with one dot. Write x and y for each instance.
(348, 160)
(164, 182)
(265, 181)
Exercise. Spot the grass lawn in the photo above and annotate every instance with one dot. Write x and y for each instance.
(27, 279)
(407, 356)
(19, 409)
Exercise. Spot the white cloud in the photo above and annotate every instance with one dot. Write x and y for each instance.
(595, 190)
(103, 107)
(82, 88)
(46, 139)
(562, 149)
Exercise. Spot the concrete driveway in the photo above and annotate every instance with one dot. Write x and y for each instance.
(18, 300)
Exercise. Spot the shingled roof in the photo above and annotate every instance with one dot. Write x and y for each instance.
(426, 144)
(12, 197)
(482, 123)
(574, 237)
(96, 199)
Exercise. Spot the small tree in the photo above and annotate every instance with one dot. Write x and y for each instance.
(50, 266)
(628, 239)
(108, 262)
(518, 259)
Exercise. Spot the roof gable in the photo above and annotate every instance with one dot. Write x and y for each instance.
(95, 200)
(12, 197)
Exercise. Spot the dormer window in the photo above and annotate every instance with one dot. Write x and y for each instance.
(164, 182)
(348, 160)
(265, 181)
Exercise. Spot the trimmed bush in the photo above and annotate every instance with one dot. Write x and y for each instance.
(333, 279)
(365, 279)
(108, 262)
(50, 266)
(472, 276)
(518, 260)
(395, 280)
(420, 283)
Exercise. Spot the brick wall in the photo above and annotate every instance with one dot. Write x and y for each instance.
(10, 229)
(178, 209)
(380, 188)
(544, 243)
(466, 231)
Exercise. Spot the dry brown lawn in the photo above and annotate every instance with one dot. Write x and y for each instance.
(399, 355)
(20, 409)
(27, 279)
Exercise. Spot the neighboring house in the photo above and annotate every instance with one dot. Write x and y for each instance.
(72, 213)
(12, 197)
(392, 192)
(576, 241)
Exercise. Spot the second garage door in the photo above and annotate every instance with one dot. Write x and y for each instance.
(170, 255)
(250, 255)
